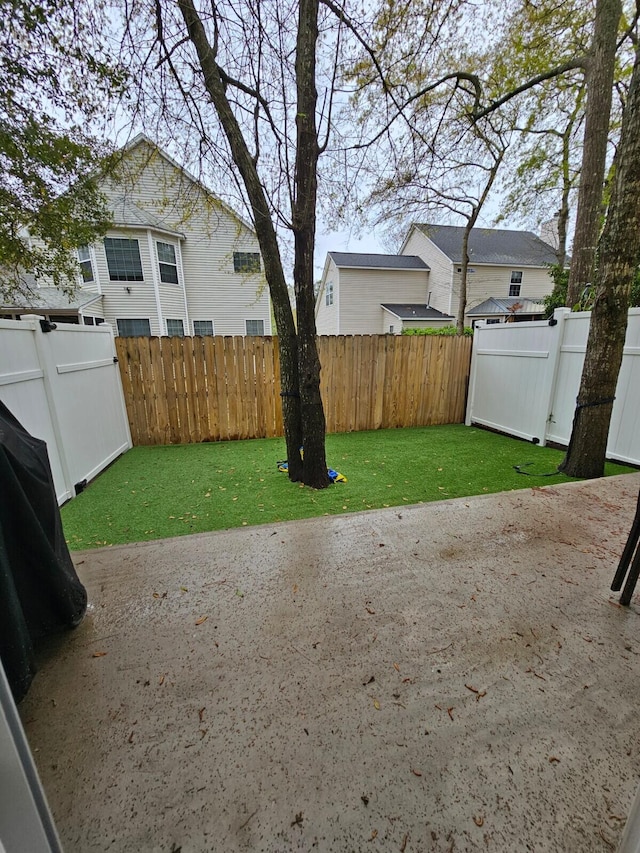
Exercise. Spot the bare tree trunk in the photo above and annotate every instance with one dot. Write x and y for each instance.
(304, 226)
(563, 213)
(618, 257)
(600, 72)
(462, 302)
(287, 338)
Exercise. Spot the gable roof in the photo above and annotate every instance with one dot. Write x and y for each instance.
(369, 261)
(143, 140)
(410, 311)
(491, 245)
(504, 305)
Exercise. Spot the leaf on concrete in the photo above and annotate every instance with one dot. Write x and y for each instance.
(201, 620)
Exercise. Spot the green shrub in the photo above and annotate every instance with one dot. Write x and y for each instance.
(443, 331)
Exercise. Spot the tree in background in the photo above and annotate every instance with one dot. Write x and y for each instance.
(542, 168)
(57, 75)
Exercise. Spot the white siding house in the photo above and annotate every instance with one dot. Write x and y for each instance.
(508, 272)
(177, 261)
(362, 294)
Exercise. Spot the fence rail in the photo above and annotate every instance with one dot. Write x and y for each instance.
(185, 390)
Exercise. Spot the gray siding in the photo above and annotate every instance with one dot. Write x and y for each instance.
(327, 321)
(363, 290)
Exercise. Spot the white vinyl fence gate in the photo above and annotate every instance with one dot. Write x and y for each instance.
(64, 387)
(525, 379)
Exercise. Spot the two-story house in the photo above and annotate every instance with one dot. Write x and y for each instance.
(176, 261)
(508, 273)
(362, 294)
(507, 278)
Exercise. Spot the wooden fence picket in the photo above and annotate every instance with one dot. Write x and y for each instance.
(186, 390)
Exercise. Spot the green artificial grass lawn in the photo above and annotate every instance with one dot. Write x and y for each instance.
(158, 492)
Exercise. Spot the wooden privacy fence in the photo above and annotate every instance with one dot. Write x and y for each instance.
(183, 390)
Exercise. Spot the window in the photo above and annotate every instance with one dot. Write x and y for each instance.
(516, 283)
(86, 267)
(255, 327)
(134, 328)
(123, 259)
(391, 330)
(203, 327)
(329, 294)
(175, 328)
(491, 321)
(246, 261)
(167, 263)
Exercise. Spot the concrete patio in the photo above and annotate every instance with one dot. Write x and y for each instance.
(447, 677)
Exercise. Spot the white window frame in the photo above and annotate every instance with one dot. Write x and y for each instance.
(133, 320)
(175, 320)
(167, 265)
(329, 294)
(254, 334)
(206, 334)
(247, 263)
(84, 257)
(129, 275)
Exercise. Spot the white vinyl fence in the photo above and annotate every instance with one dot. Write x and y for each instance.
(525, 379)
(64, 387)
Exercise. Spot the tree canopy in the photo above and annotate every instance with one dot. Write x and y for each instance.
(57, 76)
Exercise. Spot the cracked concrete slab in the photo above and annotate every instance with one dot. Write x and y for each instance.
(450, 676)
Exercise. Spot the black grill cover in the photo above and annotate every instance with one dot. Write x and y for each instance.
(40, 593)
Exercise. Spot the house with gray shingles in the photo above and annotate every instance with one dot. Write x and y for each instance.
(507, 278)
(368, 294)
(508, 273)
(176, 261)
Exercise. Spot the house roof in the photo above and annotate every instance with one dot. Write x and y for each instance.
(143, 139)
(51, 299)
(505, 304)
(491, 246)
(410, 311)
(126, 212)
(368, 261)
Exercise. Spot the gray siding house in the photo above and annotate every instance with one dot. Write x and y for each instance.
(508, 273)
(368, 294)
(508, 276)
(177, 260)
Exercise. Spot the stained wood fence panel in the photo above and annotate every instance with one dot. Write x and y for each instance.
(186, 390)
